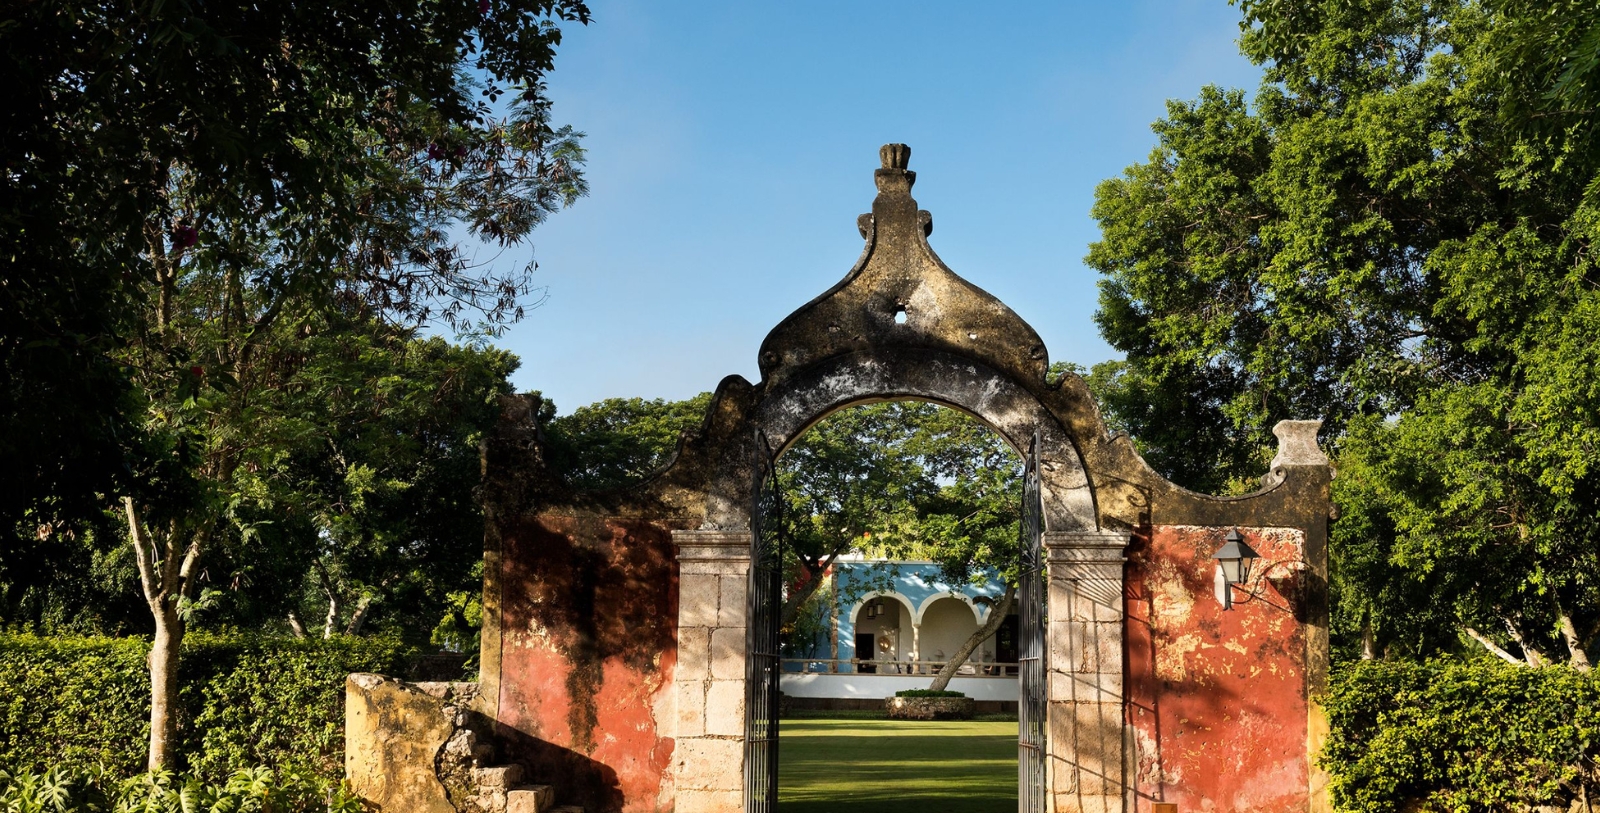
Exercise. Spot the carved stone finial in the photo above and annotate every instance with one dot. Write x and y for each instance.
(900, 295)
(895, 156)
(1297, 444)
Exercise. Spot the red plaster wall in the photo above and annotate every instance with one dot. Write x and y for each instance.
(1217, 699)
(589, 626)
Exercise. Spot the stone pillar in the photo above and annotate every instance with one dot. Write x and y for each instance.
(916, 647)
(1087, 770)
(708, 761)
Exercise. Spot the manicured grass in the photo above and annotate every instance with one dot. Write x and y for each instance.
(896, 766)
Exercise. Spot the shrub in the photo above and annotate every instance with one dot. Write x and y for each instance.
(928, 693)
(244, 701)
(61, 790)
(1460, 737)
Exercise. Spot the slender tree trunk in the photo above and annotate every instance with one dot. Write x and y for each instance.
(997, 616)
(1369, 645)
(1569, 633)
(358, 618)
(332, 618)
(330, 622)
(165, 577)
(1493, 647)
(798, 599)
(1534, 656)
(164, 686)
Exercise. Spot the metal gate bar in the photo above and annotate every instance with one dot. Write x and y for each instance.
(763, 663)
(1033, 685)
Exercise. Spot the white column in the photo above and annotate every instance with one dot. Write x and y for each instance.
(708, 763)
(1087, 771)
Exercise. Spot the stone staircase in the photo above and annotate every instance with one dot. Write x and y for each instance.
(425, 746)
(474, 783)
(500, 790)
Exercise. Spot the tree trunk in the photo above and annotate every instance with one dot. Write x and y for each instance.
(331, 621)
(1369, 645)
(295, 625)
(358, 619)
(1531, 652)
(997, 616)
(798, 599)
(1494, 647)
(165, 577)
(164, 686)
(1569, 633)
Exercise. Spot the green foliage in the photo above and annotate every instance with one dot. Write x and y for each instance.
(620, 441)
(806, 633)
(1461, 737)
(907, 480)
(928, 693)
(73, 701)
(317, 151)
(259, 790)
(1395, 234)
(353, 489)
(361, 481)
(243, 702)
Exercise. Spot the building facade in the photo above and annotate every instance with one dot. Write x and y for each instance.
(892, 625)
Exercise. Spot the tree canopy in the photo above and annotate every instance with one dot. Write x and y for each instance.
(194, 195)
(1394, 234)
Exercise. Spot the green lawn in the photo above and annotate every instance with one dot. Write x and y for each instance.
(893, 766)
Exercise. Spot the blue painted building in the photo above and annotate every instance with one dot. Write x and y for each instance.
(898, 622)
(901, 618)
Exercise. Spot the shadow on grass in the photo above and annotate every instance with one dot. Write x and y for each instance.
(892, 766)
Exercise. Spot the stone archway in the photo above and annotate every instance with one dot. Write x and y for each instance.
(901, 325)
(613, 648)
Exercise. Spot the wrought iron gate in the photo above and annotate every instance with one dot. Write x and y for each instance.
(1033, 705)
(763, 663)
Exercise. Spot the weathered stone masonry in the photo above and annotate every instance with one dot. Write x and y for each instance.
(615, 623)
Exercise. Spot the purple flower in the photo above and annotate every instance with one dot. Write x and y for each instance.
(184, 237)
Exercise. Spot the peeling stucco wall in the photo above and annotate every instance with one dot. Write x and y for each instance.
(1217, 699)
(588, 647)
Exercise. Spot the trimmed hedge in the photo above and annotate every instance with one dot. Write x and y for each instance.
(928, 693)
(1461, 737)
(244, 702)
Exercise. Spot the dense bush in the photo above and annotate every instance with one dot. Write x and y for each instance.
(261, 790)
(928, 693)
(1461, 737)
(245, 701)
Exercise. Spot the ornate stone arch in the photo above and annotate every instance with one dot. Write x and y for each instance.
(613, 645)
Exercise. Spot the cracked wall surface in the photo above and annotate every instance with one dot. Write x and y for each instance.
(1217, 699)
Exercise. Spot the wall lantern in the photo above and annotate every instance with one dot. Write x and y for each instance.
(874, 608)
(1234, 562)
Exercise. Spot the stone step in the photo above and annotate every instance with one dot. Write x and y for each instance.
(530, 799)
(497, 777)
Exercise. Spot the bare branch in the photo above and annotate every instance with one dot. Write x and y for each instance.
(142, 554)
(1493, 647)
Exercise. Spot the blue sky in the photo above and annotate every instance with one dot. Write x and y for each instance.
(731, 146)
